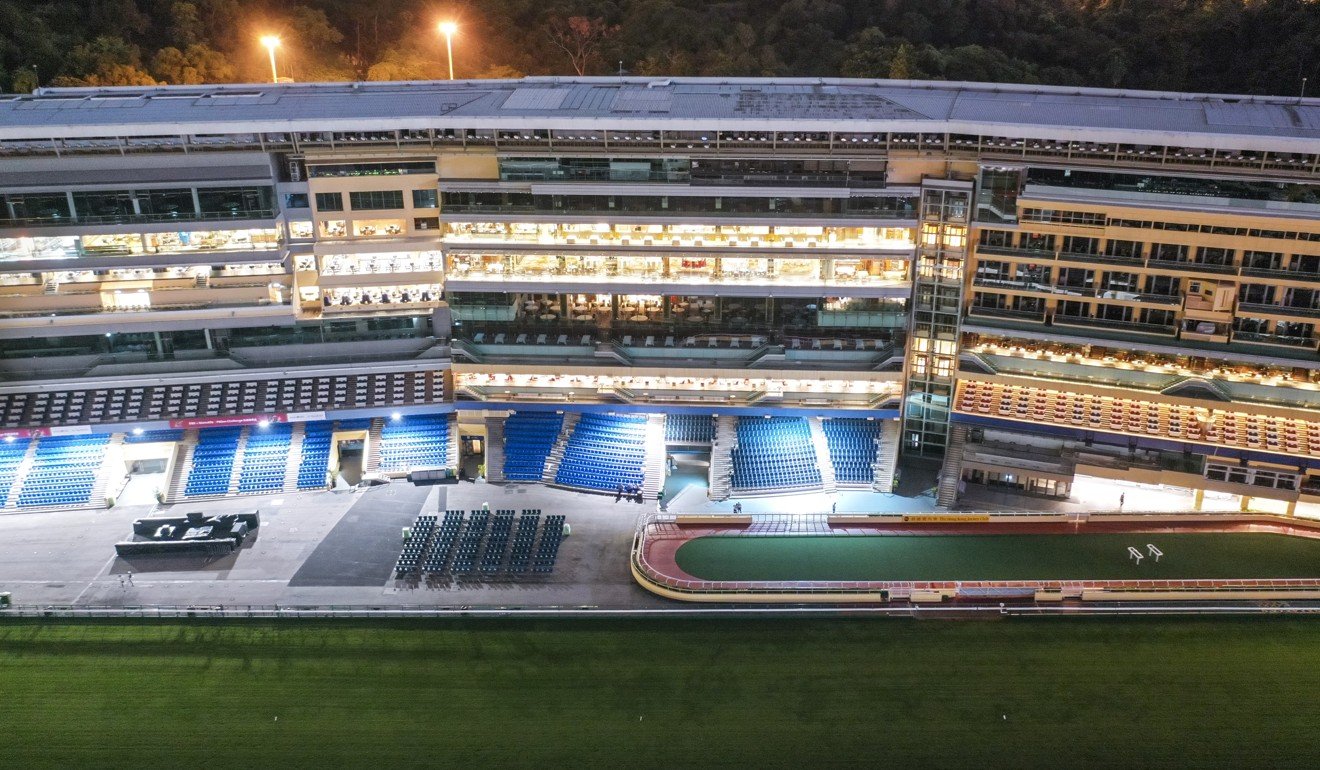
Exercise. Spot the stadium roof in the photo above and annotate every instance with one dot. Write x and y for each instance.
(1101, 115)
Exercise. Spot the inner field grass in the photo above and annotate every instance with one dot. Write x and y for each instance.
(999, 557)
(662, 693)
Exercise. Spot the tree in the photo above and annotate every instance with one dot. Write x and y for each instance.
(580, 38)
(901, 67)
(500, 72)
(196, 64)
(105, 61)
(109, 75)
(185, 26)
(24, 81)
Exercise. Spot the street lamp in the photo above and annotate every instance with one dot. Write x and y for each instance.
(272, 42)
(448, 28)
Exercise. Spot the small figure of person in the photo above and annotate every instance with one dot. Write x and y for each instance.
(1122, 498)
(618, 493)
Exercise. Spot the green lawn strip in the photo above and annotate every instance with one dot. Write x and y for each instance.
(660, 694)
(999, 557)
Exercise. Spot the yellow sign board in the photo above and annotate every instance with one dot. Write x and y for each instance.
(952, 518)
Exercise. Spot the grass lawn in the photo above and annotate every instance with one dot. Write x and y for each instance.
(789, 692)
(999, 557)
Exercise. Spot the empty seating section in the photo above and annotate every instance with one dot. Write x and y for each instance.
(774, 452)
(161, 402)
(547, 549)
(63, 470)
(415, 441)
(437, 557)
(1178, 422)
(852, 444)
(470, 542)
(689, 429)
(315, 461)
(414, 548)
(520, 555)
(153, 436)
(528, 439)
(212, 462)
(12, 451)
(265, 457)
(501, 525)
(502, 542)
(604, 452)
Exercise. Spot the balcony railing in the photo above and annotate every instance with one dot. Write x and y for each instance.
(1268, 272)
(1201, 267)
(1260, 307)
(1105, 259)
(450, 209)
(1005, 312)
(127, 219)
(1274, 339)
(1012, 251)
(1107, 323)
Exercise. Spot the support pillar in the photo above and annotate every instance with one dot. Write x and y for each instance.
(1198, 499)
(1292, 509)
(1246, 504)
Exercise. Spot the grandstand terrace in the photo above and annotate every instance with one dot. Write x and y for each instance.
(795, 286)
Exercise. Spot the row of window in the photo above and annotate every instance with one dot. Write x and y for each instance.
(1080, 218)
(1253, 232)
(375, 200)
(116, 205)
(884, 206)
(371, 169)
(1254, 476)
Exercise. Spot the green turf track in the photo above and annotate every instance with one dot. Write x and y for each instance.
(662, 693)
(998, 557)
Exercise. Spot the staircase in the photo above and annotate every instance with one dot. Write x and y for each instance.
(653, 469)
(721, 457)
(829, 484)
(495, 448)
(24, 466)
(886, 457)
(294, 461)
(556, 455)
(371, 462)
(111, 470)
(946, 495)
(237, 469)
(183, 455)
(452, 452)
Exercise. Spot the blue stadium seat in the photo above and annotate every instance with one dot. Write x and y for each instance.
(63, 470)
(774, 453)
(689, 429)
(315, 462)
(152, 436)
(528, 439)
(852, 443)
(264, 458)
(213, 462)
(604, 452)
(415, 441)
(12, 451)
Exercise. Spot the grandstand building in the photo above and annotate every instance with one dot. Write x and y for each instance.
(252, 287)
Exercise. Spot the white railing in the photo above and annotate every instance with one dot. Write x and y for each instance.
(660, 526)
